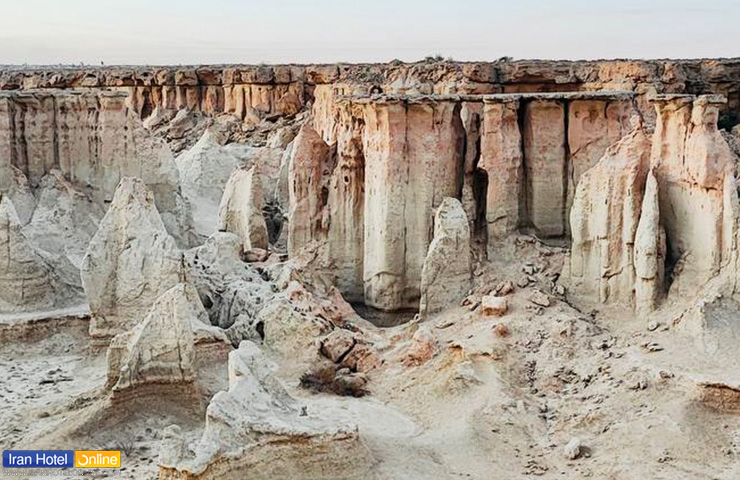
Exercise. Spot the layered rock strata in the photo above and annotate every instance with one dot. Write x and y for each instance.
(248, 91)
(94, 140)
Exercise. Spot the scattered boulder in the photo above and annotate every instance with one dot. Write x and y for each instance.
(493, 306)
(422, 348)
(573, 449)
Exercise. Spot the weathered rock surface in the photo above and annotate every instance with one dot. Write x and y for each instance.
(161, 348)
(231, 289)
(307, 183)
(41, 131)
(447, 273)
(28, 282)
(604, 219)
(413, 159)
(204, 170)
(63, 223)
(675, 227)
(650, 250)
(241, 207)
(257, 430)
(130, 262)
(691, 160)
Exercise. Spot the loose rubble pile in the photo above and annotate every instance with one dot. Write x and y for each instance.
(444, 280)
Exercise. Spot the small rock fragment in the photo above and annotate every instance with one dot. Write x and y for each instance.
(494, 306)
(573, 449)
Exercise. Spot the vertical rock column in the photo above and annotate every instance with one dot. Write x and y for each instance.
(346, 203)
(501, 158)
(691, 159)
(604, 221)
(546, 156)
(413, 157)
(593, 125)
(309, 164)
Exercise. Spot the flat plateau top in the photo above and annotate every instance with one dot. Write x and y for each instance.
(492, 98)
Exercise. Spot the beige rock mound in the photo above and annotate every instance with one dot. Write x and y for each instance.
(256, 430)
(130, 262)
(241, 209)
(27, 281)
(604, 218)
(160, 349)
(204, 170)
(63, 223)
(447, 274)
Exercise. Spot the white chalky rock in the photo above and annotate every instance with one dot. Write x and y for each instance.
(130, 262)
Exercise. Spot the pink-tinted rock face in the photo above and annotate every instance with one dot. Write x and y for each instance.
(369, 187)
(637, 234)
(502, 160)
(545, 167)
(691, 160)
(413, 155)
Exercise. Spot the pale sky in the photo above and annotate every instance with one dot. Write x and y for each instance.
(303, 31)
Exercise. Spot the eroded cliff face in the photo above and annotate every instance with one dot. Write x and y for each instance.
(259, 91)
(94, 140)
(639, 236)
(368, 181)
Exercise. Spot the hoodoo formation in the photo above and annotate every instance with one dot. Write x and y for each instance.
(389, 271)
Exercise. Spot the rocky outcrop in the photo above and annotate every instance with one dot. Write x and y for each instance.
(308, 174)
(241, 209)
(637, 234)
(130, 262)
(691, 160)
(62, 225)
(266, 91)
(94, 141)
(502, 160)
(28, 282)
(257, 430)
(447, 273)
(413, 159)
(204, 170)
(232, 291)
(604, 219)
(161, 348)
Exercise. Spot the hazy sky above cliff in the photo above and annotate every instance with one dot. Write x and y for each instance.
(279, 31)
